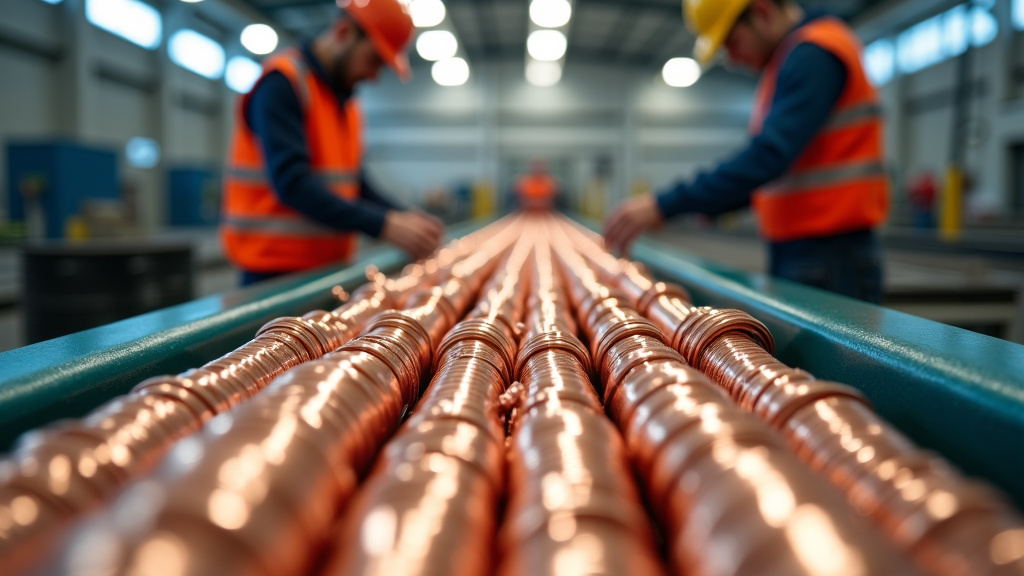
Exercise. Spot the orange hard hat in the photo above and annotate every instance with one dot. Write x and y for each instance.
(389, 27)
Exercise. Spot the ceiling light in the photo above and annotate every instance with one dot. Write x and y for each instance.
(546, 44)
(242, 73)
(436, 45)
(450, 72)
(681, 72)
(259, 39)
(426, 13)
(543, 73)
(550, 13)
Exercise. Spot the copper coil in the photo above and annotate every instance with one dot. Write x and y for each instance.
(550, 400)
(551, 341)
(661, 290)
(873, 486)
(464, 441)
(227, 379)
(478, 351)
(497, 337)
(434, 304)
(400, 344)
(651, 378)
(686, 445)
(336, 330)
(161, 416)
(245, 514)
(670, 413)
(629, 354)
(927, 503)
(29, 524)
(667, 313)
(746, 371)
(199, 395)
(313, 342)
(288, 350)
(993, 544)
(704, 325)
(419, 333)
(843, 439)
(584, 506)
(406, 373)
(590, 301)
(395, 525)
(778, 403)
(473, 361)
(447, 411)
(736, 491)
(590, 546)
(165, 388)
(257, 363)
(188, 546)
(622, 325)
(73, 476)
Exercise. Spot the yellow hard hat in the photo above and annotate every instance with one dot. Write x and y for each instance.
(711, 21)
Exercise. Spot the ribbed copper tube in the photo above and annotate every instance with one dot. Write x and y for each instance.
(431, 503)
(730, 497)
(573, 505)
(924, 505)
(338, 410)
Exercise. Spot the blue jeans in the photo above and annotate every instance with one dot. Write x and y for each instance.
(849, 264)
(249, 278)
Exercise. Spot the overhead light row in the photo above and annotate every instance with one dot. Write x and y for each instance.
(439, 44)
(681, 72)
(547, 42)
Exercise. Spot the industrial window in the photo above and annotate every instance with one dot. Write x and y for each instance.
(880, 61)
(945, 36)
(242, 73)
(132, 20)
(200, 54)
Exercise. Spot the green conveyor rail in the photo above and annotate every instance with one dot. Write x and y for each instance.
(69, 376)
(952, 391)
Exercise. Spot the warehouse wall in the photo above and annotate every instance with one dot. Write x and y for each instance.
(919, 109)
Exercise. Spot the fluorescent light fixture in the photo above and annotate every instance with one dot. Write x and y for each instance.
(436, 45)
(681, 72)
(242, 73)
(142, 152)
(543, 73)
(193, 51)
(259, 39)
(880, 61)
(550, 13)
(426, 13)
(546, 45)
(192, 1)
(136, 22)
(450, 72)
(53, 1)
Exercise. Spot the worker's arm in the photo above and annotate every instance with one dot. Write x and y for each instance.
(275, 115)
(809, 85)
(369, 193)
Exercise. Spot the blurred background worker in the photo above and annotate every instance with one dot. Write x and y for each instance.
(537, 189)
(813, 169)
(295, 193)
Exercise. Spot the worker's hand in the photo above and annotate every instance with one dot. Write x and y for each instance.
(416, 233)
(632, 218)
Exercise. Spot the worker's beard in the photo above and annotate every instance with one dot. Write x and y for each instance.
(340, 71)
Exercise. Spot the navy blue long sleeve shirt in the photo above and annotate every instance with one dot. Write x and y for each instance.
(274, 114)
(809, 84)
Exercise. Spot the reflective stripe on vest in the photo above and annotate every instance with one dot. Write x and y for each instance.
(839, 182)
(261, 234)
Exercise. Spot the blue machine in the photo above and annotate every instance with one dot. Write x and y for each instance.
(193, 196)
(54, 178)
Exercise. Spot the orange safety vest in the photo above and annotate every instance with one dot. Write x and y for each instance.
(839, 182)
(536, 189)
(259, 233)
